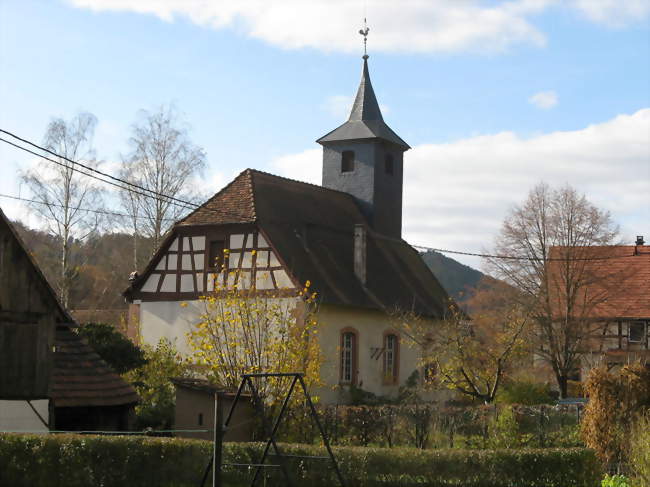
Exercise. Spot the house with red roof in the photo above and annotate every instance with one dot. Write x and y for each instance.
(611, 291)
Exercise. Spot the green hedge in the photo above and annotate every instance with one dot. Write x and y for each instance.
(119, 461)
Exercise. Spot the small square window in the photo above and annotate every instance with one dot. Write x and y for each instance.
(389, 164)
(637, 331)
(347, 161)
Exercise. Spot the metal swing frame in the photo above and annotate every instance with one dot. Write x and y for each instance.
(220, 428)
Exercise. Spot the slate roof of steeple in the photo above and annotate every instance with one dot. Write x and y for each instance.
(366, 121)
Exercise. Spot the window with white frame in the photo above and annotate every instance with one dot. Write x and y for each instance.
(348, 357)
(636, 332)
(391, 345)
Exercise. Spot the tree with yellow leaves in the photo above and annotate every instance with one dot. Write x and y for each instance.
(246, 330)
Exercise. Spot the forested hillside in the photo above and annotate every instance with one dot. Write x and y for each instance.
(455, 277)
(100, 265)
(103, 262)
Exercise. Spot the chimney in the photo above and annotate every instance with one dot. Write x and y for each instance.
(360, 252)
(639, 240)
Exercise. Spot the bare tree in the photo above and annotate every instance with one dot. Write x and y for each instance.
(63, 195)
(163, 160)
(551, 240)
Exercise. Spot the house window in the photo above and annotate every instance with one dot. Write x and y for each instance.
(347, 161)
(391, 346)
(216, 254)
(200, 421)
(389, 164)
(636, 332)
(348, 357)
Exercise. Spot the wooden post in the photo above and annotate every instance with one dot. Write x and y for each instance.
(218, 441)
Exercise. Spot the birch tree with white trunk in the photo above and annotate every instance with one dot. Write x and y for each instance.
(65, 198)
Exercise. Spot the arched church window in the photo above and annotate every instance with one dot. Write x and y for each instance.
(347, 161)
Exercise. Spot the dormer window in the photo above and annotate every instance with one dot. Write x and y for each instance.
(389, 164)
(347, 161)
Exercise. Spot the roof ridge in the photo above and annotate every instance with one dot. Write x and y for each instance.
(318, 186)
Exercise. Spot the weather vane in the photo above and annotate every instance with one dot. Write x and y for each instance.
(364, 33)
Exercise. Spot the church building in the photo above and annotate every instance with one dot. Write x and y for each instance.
(345, 237)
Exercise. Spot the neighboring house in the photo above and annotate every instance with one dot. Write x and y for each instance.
(50, 379)
(613, 294)
(343, 236)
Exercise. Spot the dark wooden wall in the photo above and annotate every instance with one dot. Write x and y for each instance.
(28, 314)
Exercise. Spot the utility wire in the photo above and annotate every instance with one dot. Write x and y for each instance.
(513, 257)
(96, 171)
(192, 206)
(102, 212)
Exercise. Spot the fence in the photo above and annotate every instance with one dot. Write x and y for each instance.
(428, 425)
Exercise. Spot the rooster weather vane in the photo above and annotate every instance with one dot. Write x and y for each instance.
(364, 33)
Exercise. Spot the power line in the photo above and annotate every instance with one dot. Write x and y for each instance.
(193, 206)
(101, 212)
(93, 176)
(188, 204)
(519, 258)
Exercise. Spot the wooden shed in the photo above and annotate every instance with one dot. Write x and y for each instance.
(43, 361)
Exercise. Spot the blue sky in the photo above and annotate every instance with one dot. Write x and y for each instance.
(258, 82)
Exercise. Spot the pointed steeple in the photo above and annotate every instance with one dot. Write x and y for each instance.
(365, 104)
(365, 120)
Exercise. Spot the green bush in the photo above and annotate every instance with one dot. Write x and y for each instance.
(118, 461)
(526, 392)
(615, 481)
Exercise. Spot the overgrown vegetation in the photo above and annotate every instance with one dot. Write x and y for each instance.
(616, 401)
(426, 425)
(116, 461)
(120, 353)
(153, 385)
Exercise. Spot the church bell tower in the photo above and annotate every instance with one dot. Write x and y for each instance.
(364, 157)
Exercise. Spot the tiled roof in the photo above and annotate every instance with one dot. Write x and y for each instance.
(617, 280)
(312, 228)
(233, 204)
(81, 378)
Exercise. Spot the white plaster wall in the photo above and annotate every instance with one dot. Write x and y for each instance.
(170, 320)
(18, 416)
(370, 326)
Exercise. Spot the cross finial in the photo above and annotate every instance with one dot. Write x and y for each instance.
(364, 33)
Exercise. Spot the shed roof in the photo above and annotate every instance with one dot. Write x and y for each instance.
(81, 378)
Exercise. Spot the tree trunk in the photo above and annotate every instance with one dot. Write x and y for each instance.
(563, 383)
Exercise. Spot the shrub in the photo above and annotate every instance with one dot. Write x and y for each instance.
(525, 392)
(615, 481)
(116, 461)
(640, 451)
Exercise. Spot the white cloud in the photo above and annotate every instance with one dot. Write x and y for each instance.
(544, 99)
(331, 25)
(339, 106)
(457, 194)
(303, 166)
(410, 25)
(614, 13)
